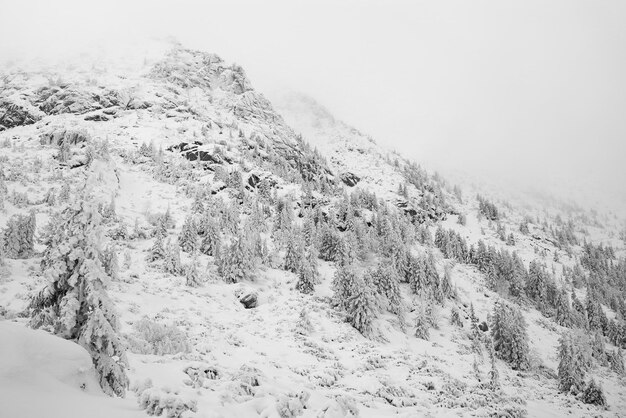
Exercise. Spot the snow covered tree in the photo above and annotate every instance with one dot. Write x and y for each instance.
(344, 281)
(361, 307)
(494, 375)
(294, 252)
(211, 240)
(571, 370)
(157, 251)
(192, 272)
(387, 284)
(308, 274)
(19, 236)
(616, 361)
(236, 263)
(197, 207)
(330, 242)
(455, 317)
(563, 311)
(593, 394)
(188, 238)
(75, 303)
(347, 253)
(110, 262)
(510, 340)
(421, 323)
(172, 263)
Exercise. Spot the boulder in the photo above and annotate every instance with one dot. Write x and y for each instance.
(249, 300)
(349, 179)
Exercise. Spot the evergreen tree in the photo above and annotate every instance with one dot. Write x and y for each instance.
(563, 311)
(236, 264)
(421, 323)
(172, 263)
(387, 284)
(616, 361)
(75, 303)
(211, 239)
(308, 274)
(157, 252)
(361, 307)
(192, 272)
(510, 340)
(294, 253)
(330, 242)
(188, 238)
(19, 240)
(593, 394)
(571, 370)
(344, 281)
(494, 375)
(110, 262)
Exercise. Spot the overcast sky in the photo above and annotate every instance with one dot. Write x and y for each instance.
(524, 88)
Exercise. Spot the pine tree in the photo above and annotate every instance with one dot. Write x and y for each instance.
(563, 311)
(387, 284)
(19, 240)
(236, 264)
(157, 251)
(510, 340)
(344, 281)
(494, 375)
(329, 244)
(75, 302)
(308, 274)
(172, 263)
(475, 332)
(188, 238)
(211, 240)
(616, 361)
(192, 272)
(571, 371)
(361, 307)
(421, 323)
(593, 394)
(294, 252)
(110, 262)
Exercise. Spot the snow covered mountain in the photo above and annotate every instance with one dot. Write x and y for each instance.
(219, 255)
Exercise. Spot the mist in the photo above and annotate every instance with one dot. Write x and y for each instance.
(528, 91)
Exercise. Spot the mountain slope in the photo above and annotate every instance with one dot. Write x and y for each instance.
(180, 133)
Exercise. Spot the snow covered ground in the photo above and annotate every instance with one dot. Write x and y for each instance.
(294, 354)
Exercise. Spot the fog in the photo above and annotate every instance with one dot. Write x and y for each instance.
(528, 90)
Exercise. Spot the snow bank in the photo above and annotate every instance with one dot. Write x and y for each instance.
(45, 376)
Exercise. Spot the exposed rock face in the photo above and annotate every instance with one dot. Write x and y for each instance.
(60, 99)
(193, 152)
(350, 179)
(12, 115)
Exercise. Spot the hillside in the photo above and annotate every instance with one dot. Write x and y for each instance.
(260, 259)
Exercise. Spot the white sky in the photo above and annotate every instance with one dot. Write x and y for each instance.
(530, 89)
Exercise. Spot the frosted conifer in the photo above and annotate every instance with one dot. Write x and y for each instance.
(188, 238)
(75, 303)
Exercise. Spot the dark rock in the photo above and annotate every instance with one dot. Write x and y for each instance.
(97, 118)
(12, 115)
(253, 180)
(61, 136)
(349, 179)
(483, 326)
(249, 300)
